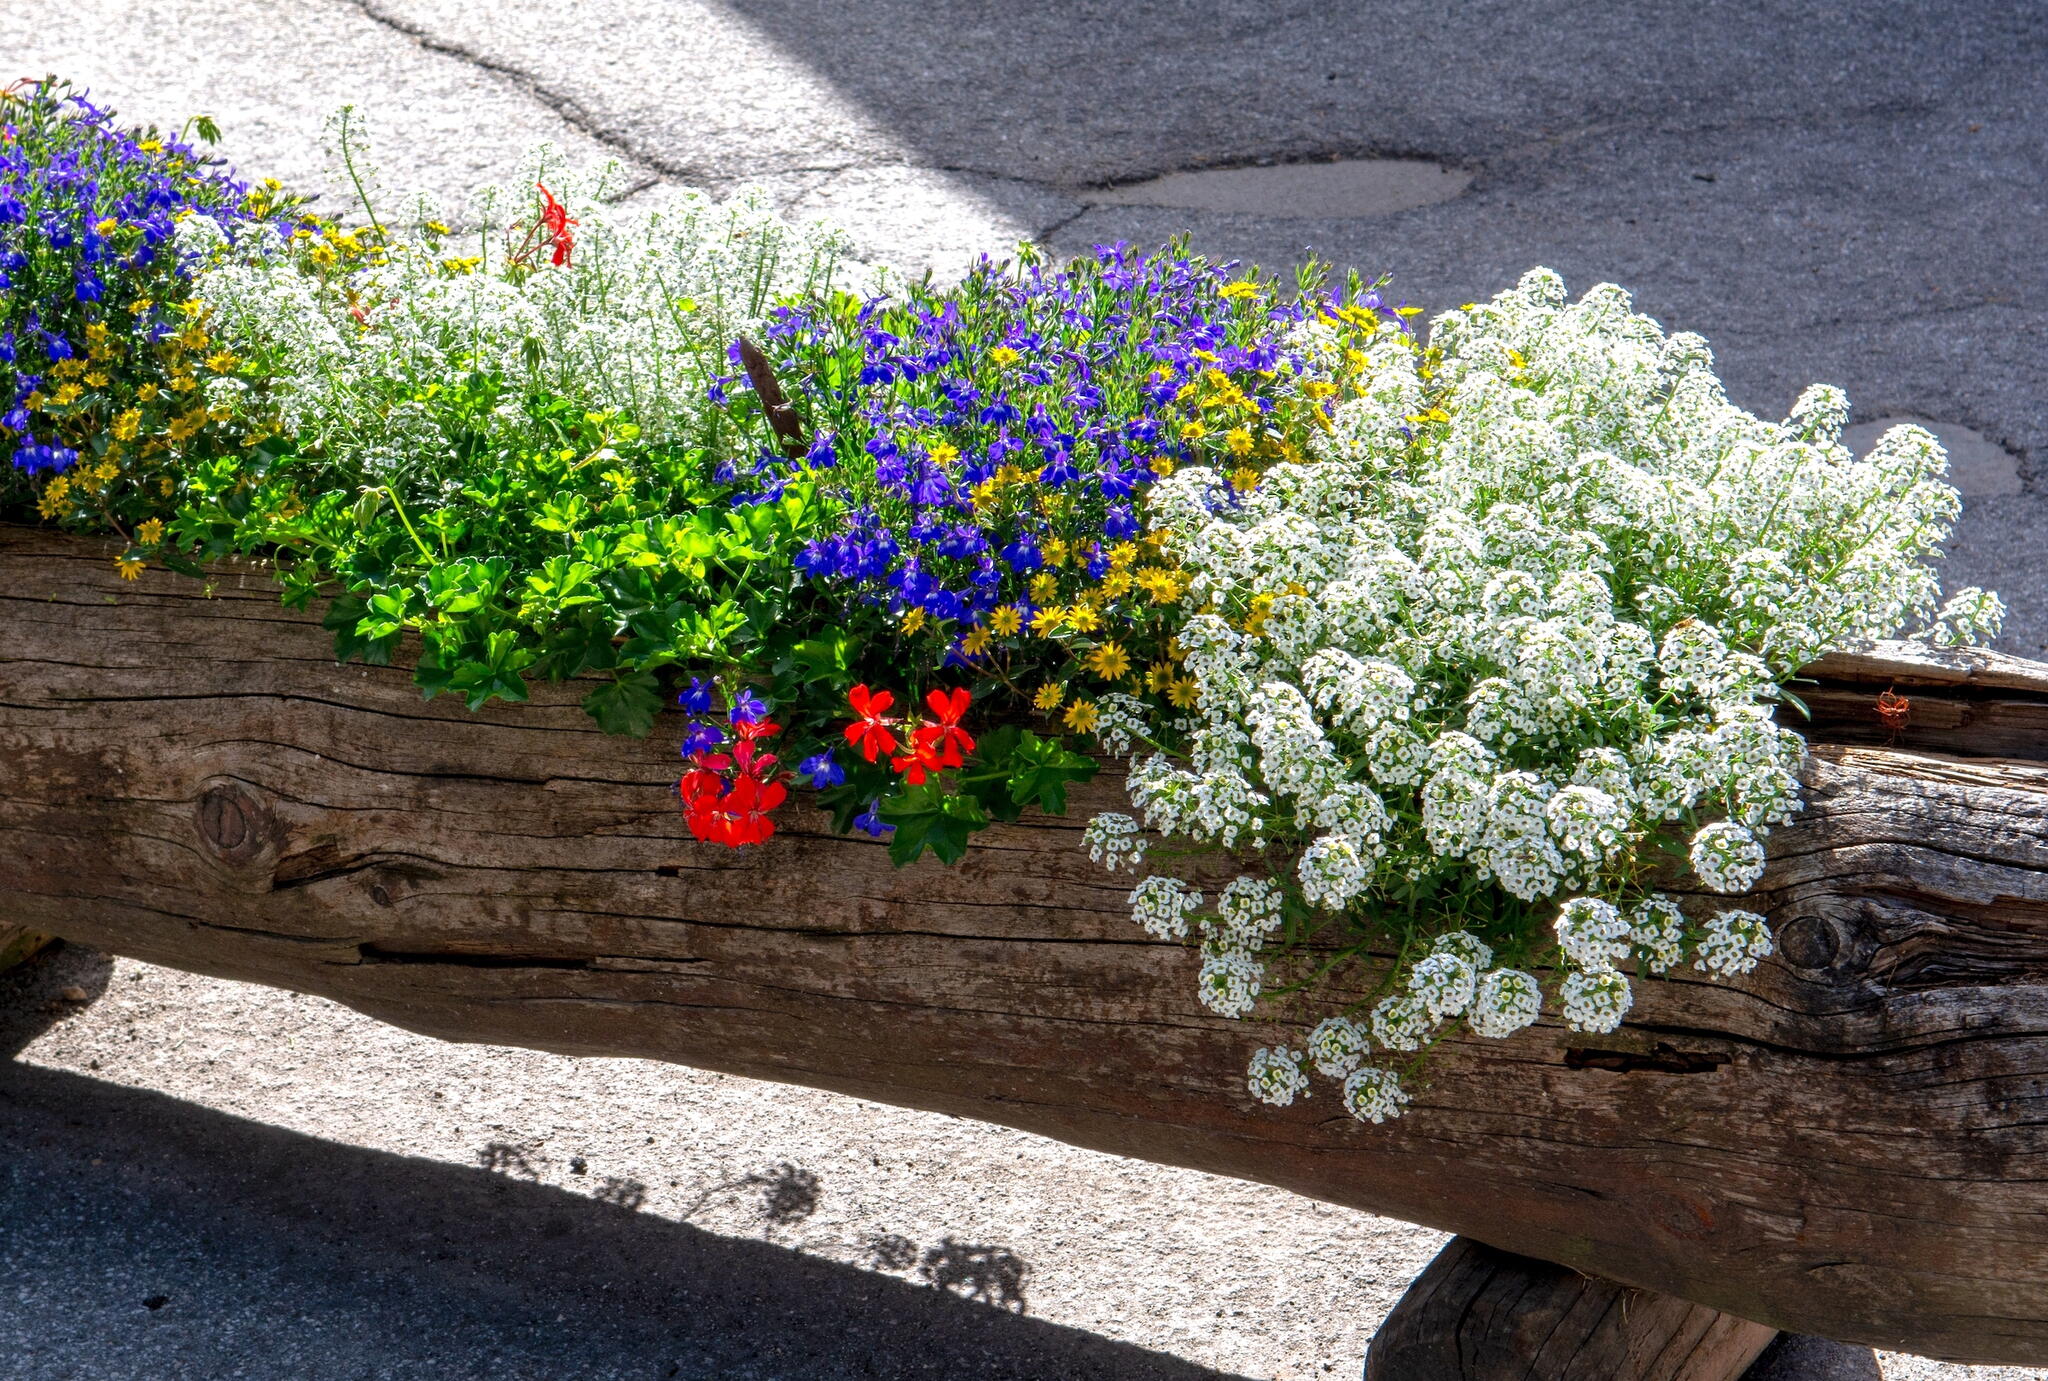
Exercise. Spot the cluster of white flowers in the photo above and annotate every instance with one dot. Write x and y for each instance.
(1526, 604)
(1276, 1076)
(1161, 903)
(1114, 841)
(636, 322)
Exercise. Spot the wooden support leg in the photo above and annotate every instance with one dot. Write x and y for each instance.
(1477, 1314)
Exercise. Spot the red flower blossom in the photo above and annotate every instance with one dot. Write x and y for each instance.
(951, 742)
(727, 796)
(746, 754)
(870, 732)
(738, 817)
(923, 758)
(556, 220)
(700, 782)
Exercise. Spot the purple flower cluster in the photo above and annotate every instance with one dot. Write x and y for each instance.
(967, 433)
(87, 216)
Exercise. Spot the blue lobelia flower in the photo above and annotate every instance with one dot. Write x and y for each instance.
(702, 738)
(696, 697)
(822, 770)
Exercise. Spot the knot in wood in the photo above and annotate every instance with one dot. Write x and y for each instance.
(232, 822)
(1809, 942)
(1822, 946)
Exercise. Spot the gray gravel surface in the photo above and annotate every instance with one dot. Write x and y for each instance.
(1827, 191)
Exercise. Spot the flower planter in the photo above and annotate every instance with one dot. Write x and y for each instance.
(1850, 1141)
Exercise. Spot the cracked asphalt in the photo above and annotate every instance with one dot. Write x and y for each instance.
(1826, 191)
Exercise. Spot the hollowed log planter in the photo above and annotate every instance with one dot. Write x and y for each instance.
(1852, 1141)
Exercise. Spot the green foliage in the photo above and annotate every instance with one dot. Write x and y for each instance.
(565, 547)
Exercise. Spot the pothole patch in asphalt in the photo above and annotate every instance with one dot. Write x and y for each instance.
(1344, 189)
(1977, 466)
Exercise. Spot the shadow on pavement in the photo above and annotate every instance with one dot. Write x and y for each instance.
(146, 1236)
(33, 995)
(1795, 1357)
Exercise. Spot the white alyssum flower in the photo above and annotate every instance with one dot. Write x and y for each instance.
(1503, 1002)
(1336, 1046)
(1114, 841)
(1656, 931)
(1374, 1095)
(1401, 1022)
(633, 326)
(1276, 1075)
(1970, 617)
(1161, 904)
(1229, 983)
(1463, 944)
(1503, 623)
(1732, 943)
(1443, 984)
(1249, 910)
(1727, 857)
(1120, 721)
(1595, 999)
(1591, 933)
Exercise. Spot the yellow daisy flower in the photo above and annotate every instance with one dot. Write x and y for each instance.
(1049, 696)
(1081, 716)
(1109, 661)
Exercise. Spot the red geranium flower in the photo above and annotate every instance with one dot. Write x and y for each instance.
(700, 782)
(746, 754)
(738, 817)
(951, 742)
(556, 220)
(922, 760)
(870, 732)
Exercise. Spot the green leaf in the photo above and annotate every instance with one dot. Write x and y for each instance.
(344, 619)
(829, 658)
(927, 818)
(431, 676)
(1040, 770)
(627, 706)
(987, 775)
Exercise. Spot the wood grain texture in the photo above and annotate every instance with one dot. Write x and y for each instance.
(1480, 1314)
(1851, 1142)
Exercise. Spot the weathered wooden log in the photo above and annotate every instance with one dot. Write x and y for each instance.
(1477, 1313)
(1852, 1141)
